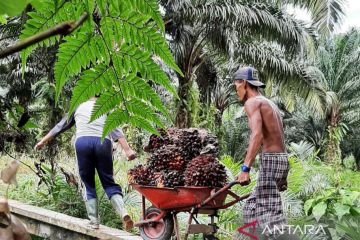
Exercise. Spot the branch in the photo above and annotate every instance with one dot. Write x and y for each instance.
(61, 29)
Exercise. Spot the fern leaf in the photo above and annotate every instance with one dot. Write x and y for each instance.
(148, 7)
(141, 122)
(130, 58)
(47, 14)
(89, 5)
(76, 53)
(102, 6)
(140, 108)
(91, 83)
(134, 29)
(105, 103)
(135, 86)
(114, 120)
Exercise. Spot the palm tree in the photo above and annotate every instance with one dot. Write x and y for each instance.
(339, 60)
(243, 31)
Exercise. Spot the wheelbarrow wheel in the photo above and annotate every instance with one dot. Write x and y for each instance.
(159, 231)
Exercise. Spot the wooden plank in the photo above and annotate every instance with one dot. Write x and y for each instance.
(201, 228)
(39, 215)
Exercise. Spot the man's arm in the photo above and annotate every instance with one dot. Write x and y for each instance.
(252, 109)
(61, 127)
(118, 136)
(253, 112)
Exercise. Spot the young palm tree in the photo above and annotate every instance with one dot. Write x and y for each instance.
(249, 32)
(339, 60)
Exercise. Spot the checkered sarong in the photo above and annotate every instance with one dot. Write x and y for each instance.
(264, 204)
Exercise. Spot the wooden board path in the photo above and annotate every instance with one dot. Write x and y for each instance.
(55, 226)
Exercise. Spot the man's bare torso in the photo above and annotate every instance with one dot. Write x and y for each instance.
(271, 124)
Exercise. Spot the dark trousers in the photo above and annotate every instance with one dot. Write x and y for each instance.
(92, 154)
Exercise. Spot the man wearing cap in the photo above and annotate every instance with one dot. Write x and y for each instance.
(264, 204)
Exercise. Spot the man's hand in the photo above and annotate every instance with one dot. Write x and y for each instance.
(130, 154)
(244, 179)
(39, 145)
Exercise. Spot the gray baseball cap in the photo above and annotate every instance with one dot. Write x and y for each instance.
(249, 74)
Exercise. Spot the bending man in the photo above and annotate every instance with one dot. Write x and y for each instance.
(93, 155)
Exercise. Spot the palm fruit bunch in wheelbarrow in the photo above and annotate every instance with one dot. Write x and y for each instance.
(204, 170)
(181, 157)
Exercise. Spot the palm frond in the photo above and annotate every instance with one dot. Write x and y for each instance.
(292, 206)
(257, 19)
(303, 150)
(326, 14)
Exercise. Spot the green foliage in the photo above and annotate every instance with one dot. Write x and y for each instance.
(349, 227)
(111, 54)
(91, 83)
(326, 15)
(235, 133)
(339, 202)
(69, 203)
(3, 19)
(76, 53)
(349, 162)
(338, 61)
(12, 8)
(48, 13)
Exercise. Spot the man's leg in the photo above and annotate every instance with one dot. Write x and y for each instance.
(104, 167)
(86, 167)
(269, 213)
(249, 209)
(250, 215)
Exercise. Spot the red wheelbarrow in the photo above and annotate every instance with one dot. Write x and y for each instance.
(160, 220)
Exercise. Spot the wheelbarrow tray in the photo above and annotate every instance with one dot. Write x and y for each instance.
(180, 197)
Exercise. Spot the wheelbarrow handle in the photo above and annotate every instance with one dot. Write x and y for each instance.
(231, 184)
(217, 193)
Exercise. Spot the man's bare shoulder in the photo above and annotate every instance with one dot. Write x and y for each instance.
(253, 104)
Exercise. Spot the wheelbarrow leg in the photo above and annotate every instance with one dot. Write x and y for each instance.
(177, 233)
(143, 207)
(189, 223)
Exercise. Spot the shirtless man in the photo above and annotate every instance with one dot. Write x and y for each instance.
(264, 204)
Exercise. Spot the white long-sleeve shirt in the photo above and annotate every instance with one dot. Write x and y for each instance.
(81, 118)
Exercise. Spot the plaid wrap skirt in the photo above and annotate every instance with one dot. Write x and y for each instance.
(264, 204)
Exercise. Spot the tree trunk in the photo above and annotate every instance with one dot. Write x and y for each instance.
(332, 150)
(218, 118)
(183, 113)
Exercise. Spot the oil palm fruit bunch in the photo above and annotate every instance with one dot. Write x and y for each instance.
(140, 175)
(205, 170)
(181, 157)
(172, 178)
(155, 142)
(167, 157)
(190, 143)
